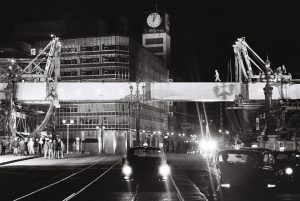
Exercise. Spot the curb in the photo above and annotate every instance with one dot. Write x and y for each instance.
(17, 160)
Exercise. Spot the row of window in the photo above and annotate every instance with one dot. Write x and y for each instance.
(98, 121)
(90, 60)
(95, 48)
(93, 127)
(120, 73)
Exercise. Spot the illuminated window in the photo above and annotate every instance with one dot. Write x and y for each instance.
(33, 51)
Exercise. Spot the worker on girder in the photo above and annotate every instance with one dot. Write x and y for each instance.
(217, 76)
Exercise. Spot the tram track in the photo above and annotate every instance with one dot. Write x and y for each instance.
(60, 190)
(179, 196)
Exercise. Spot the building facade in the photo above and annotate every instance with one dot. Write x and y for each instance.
(109, 59)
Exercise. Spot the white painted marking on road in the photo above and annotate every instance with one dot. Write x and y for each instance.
(177, 189)
(45, 187)
(70, 197)
(95, 179)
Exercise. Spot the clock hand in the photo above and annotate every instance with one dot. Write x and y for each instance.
(154, 18)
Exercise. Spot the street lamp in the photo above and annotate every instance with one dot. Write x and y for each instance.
(137, 99)
(68, 123)
(100, 138)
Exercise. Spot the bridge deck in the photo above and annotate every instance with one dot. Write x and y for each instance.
(155, 91)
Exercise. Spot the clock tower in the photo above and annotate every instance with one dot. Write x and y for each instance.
(156, 36)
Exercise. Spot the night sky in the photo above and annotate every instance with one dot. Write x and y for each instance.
(202, 31)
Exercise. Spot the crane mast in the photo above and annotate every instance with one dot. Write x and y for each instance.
(243, 61)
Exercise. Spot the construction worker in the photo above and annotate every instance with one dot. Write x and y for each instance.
(217, 76)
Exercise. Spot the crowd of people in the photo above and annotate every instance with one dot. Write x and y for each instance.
(50, 148)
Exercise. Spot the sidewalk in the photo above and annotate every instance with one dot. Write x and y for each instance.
(10, 158)
(76, 159)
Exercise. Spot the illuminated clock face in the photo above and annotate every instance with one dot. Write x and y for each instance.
(154, 20)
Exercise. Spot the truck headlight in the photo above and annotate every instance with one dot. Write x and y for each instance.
(289, 171)
(127, 170)
(164, 170)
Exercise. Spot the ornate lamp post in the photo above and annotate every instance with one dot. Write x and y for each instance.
(68, 123)
(100, 138)
(137, 99)
(268, 97)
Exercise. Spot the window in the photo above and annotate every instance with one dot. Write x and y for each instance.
(155, 49)
(122, 59)
(68, 61)
(151, 41)
(69, 50)
(115, 58)
(73, 109)
(89, 48)
(33, 51)
(115, 47)
(89, 60)
(106, 59)
(72, 73)
(108, 72)
(92, 121)
(89, 72)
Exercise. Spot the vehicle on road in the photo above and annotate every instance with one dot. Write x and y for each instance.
(287, 168)
(193, 151)
(242, 172)
(145, 164)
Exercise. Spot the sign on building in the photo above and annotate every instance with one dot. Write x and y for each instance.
(82, 135)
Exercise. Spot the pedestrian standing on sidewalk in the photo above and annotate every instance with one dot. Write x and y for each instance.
(40, 146)
(15, 145)
(74, 147)
(26, 152)
(46, 149)
(58, 149)
(36, 145)
(50, 144)
(30, 147)
(3, 147)
(55, 148)
(22, 147)
(62, 149)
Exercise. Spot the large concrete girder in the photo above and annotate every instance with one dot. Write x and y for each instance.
(35, 93)
(120, 91)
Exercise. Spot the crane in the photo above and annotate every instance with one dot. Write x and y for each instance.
(39, 69)
(243, 61)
